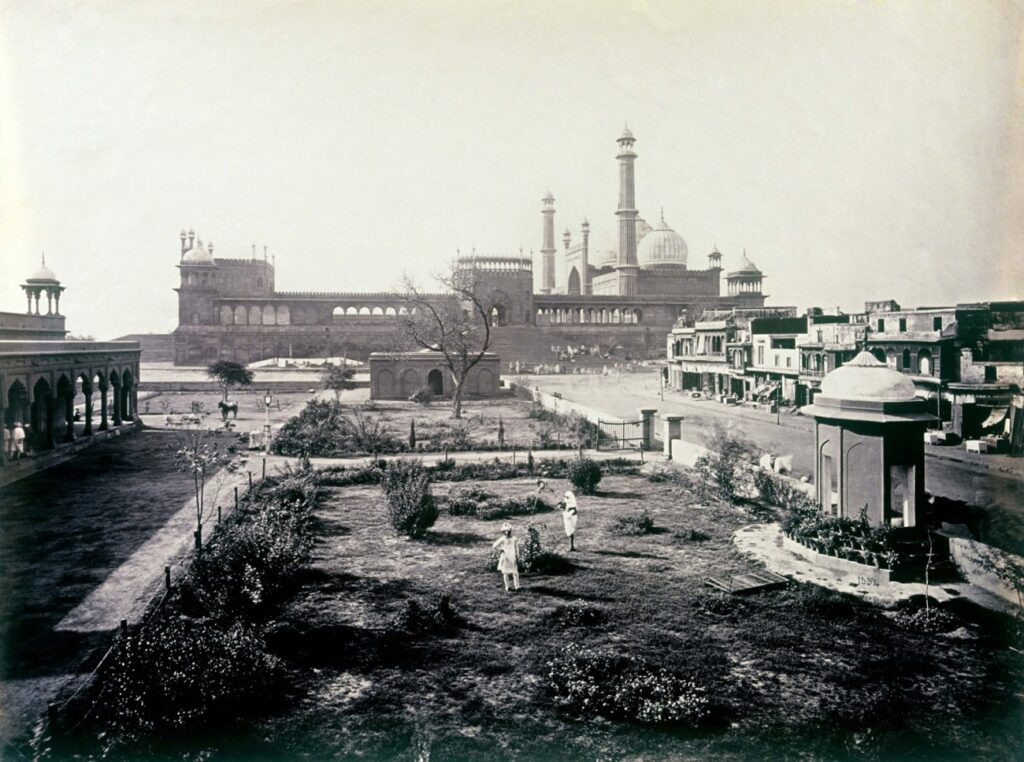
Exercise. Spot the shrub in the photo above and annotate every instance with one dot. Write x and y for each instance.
(178, 673)
(929, 620)
(692, 535)
(722, 474)
(774, 490)
(503, 508)
(422, 396)
(586, 682)
(412, 509)
(585, 475)
(341, 476)
(467, 501)
(438, 617)
(579, 614)
(323, 429)
(634, 525)
(531, 556)
(254, 555)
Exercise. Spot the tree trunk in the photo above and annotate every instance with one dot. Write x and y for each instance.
(457, 399)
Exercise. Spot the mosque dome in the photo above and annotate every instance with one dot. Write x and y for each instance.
(662, 246)
(866, 378)
(198, 255)
(42, 274)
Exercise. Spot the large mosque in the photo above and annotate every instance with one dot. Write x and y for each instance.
(619, 302)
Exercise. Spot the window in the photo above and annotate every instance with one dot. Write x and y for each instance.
(936, 323)
(789, 362)
(990, 374)
(776, 358)
(881, 325)
(906, 361)
(903, 325)
(259, 283)
(760, 355)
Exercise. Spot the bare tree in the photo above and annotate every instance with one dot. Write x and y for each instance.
(456, 323)
(199, 455)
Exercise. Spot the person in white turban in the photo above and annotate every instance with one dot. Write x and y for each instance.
(508, 562)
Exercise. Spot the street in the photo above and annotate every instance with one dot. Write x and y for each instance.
(1000, 493)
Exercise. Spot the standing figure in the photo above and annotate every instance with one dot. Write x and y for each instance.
(569, 518)
(18, 450)
(8, 443)
(508, 562)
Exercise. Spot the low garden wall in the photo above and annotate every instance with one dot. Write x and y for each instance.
(986, 567)
(871, 575)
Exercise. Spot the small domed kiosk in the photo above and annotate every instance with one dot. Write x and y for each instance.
(869, 443)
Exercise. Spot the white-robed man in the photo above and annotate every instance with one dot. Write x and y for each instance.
(508, 561)
(570, 515)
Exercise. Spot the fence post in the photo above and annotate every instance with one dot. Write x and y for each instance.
(647, 426)
(673, 429)
(218, 514)
(264, 468)
(124, 628)
(236, 498)
(446, 455)
(513, 456)
(167, 578)
(250, 480)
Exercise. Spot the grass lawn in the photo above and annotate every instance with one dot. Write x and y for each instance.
(790, 673)
(63, 530)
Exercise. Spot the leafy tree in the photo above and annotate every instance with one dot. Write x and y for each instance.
(338, 378)
(229, 374)
(457, 324)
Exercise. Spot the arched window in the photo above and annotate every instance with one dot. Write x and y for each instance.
(906, 361)
(924, 362)
(227, 315)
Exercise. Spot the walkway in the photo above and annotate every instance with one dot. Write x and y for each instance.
(82, 546)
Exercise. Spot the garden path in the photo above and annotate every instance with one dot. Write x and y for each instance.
(127, 591)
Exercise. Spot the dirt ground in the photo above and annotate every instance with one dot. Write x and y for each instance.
(802, 674)
(480, 418)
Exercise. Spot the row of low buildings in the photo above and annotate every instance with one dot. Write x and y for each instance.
(968, 359)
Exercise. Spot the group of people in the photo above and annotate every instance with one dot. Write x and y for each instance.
(15, 441)
(508, 560)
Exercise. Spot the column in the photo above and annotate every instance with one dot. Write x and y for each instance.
(673, 429)
(134, 399)
(49, 413)
(647, 414)
(69, 416)
(87, 391)
(104, 387)
(3, 425)
(117, 406)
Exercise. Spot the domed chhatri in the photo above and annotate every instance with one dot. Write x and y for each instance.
(662, 246)
(865, 377)
(869, 439)
(42, 275)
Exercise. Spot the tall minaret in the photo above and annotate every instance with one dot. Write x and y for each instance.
(547, 252)
(627, 267)
(585, 287)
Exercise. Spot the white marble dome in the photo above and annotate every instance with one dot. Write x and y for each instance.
(42, 274)
(662, 246)
(865, 377)
(198, 255)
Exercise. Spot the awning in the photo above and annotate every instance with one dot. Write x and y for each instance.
(994, 418)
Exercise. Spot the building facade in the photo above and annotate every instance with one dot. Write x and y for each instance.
(623, 301)
(43, 377)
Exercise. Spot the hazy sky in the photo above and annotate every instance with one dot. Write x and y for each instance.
(857, 150)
